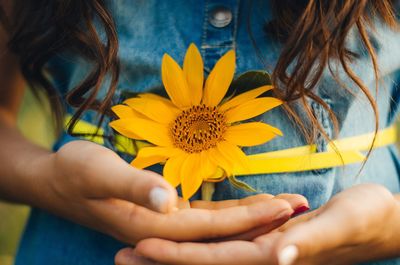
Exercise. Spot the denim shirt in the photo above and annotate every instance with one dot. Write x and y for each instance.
(147, 29)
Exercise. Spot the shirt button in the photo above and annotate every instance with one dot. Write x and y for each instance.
(220, 17)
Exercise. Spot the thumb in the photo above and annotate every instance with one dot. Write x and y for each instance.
(306, 240)
(114, 178)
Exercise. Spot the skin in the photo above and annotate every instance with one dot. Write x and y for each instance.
(90, 185)
(357, 225)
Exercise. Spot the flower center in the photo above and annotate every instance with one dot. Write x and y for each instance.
(198, 128)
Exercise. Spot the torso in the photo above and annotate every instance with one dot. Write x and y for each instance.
(148, 29)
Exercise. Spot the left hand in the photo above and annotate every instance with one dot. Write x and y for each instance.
(359, 224)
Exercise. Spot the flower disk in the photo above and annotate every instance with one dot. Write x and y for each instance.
(198, 128)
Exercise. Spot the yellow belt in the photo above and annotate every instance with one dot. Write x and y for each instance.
(339, 152)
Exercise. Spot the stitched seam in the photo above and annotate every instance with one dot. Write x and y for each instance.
(204, 35)
(321, 143)
(235, 25)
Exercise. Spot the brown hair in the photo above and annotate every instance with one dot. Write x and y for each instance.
(312, 32)
(45, 28)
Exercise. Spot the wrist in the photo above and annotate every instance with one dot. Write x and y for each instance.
(36, 175)
(388, 241)
(380, 239)
(397, 198)
(397, 223)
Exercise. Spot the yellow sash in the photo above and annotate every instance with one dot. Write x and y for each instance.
(339, 152)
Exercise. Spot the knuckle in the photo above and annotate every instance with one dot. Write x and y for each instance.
(124, 230)
(121, 235)
(212, 232)
(149, 176)
(211, 227)
(382, 192)
(282, 204)
(133, 214)
(379, 197)
(263, 197)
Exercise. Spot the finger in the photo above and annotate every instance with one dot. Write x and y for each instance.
(298, 202)
(326, 230)
(308, 239)
(113, 177)
(342, 221)
(215, 205)
(226, 253)
(130, 223)
(256, 232)
(196, 224)
(223, 253)
(298, 220)
(126, 256)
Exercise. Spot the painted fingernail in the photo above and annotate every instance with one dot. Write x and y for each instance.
(300, 209)
(288, 255)
(159, 199)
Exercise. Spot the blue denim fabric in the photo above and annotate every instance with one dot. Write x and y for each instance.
(147, 30)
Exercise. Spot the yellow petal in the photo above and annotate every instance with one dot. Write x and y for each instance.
(126, 112)
(234, 154)
(154, 109)
(218, 176)
(123, 131)
(148, 130)
(193, 70)
(219, 80)
(191, 175)
(220, 160)
(172, 169)
(242, 98)
(175, 83)
(149, 156)
(157, 97)
(251, 109)
(251, 134)
(123, 111)
(207, 167)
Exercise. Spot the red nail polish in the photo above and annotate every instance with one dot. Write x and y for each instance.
(300, 209)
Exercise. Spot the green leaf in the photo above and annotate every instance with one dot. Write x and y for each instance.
(240, 184)
(247, 81)
(250, 80)
(125, 94)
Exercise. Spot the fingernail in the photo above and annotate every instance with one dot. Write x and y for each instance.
(288, 255)
(300, 209)
(159, 199)
(124, 257)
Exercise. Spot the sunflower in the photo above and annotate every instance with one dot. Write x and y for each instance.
(195, 132)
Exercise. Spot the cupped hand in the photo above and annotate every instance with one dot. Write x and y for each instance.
(356, 225)
(96, 188)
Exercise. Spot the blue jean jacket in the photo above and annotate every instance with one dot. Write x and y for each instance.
(147, 30)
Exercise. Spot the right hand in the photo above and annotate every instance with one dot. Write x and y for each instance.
(94, 187)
